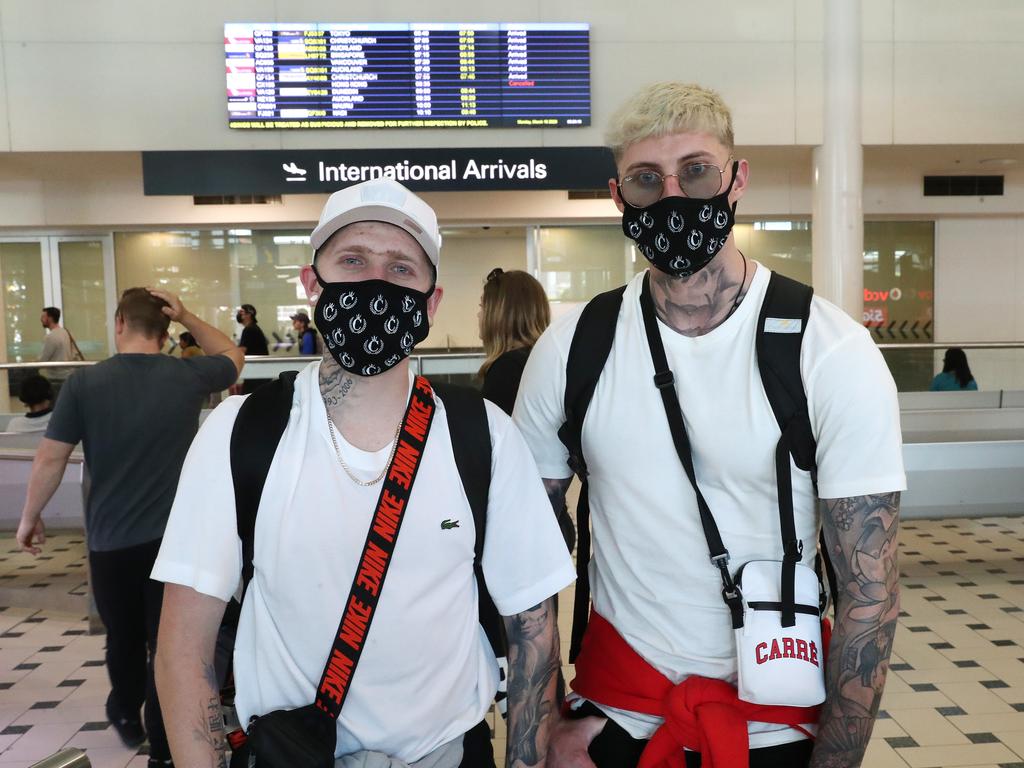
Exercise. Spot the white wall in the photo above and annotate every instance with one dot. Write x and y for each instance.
(123, 75)
(979, 281)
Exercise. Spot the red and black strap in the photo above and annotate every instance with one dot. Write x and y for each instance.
(361, 604)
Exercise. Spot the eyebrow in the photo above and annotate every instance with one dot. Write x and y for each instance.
(685, 158)
(362, 250)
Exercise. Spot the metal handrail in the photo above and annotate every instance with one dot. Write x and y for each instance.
(474, 355)
(250, 359)
(72, 757)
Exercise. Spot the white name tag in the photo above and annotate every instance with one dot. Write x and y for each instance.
(782, 325)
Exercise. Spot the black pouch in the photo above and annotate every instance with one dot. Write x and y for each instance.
(293, 738)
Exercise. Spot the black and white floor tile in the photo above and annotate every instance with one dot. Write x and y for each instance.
(955, 693)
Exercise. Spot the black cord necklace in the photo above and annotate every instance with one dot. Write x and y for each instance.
(739, 292)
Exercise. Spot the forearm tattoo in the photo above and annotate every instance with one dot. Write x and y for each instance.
(861, 536)
(533, 660)
(208, 726)
(556, 490)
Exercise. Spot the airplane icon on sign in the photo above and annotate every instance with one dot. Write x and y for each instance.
(295, 173)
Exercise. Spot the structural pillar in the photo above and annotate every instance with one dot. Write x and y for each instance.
(838, 213)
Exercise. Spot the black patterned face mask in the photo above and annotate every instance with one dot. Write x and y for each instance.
(369, 327)
(681, 235)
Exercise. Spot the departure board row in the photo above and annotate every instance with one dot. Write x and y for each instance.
(421, 75)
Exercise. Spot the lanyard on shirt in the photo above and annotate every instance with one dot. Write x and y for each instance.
(376, 558)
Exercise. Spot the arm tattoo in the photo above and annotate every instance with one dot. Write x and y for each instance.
(208, 726)
(556, 493)
(860, 534)
(209, 729)
(533, 661)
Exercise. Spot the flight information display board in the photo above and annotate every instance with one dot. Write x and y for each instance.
(421, 75)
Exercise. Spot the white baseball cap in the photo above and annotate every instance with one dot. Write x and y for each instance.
(380, 200)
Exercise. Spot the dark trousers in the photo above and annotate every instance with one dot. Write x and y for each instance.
(613, 747)
(477, 750)
(129, 604)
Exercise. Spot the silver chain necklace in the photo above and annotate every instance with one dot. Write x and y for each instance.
(344, 466)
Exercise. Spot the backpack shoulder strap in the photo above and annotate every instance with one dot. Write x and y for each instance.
(258, 428)
(471, 445)
(780, 333)
(591, 344)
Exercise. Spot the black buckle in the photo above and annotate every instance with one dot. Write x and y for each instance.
(664, 379)
(577, 465)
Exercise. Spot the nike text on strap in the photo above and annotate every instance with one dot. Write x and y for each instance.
(376, 558)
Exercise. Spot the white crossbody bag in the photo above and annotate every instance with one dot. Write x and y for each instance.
(776, 606)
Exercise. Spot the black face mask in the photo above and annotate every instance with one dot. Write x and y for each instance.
(681, 235)
(371, 326)
(238, 317)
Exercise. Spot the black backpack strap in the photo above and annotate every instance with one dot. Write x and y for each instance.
(591, 345)
(780, 332)
(258, 428)
(471, 444)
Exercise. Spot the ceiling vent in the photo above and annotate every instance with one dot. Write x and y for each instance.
(963, 186)
(235, 199)
(589, 194)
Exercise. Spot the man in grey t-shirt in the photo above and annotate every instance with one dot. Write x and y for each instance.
(58, 346)
(135, 415)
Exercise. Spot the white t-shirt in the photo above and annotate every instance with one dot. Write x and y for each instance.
(650, 574)
(427, 673)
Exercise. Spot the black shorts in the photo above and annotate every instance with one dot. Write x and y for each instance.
(613, 747)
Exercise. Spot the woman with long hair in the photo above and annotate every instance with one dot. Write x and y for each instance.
(956, 373)
(514, 312)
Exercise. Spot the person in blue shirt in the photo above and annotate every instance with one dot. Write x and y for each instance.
(306, 335)
(956, 374)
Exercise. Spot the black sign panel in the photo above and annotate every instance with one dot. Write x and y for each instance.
(284, 172)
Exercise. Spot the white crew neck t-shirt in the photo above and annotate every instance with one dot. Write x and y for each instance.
(427, 672)
(650, 573)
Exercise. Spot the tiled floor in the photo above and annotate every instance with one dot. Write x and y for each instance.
(955, 695)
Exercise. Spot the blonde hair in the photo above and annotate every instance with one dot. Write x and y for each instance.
(514, 312)
(666, 108)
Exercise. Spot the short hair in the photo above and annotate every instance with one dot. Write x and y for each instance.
(514, 312)
(35, 390)
(141, 311)
(53, 312)
(250, 309)
(662, 109)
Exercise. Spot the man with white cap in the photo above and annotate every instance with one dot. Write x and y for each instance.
(426, 675)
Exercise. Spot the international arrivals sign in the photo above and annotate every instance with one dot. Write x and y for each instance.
(290, 172)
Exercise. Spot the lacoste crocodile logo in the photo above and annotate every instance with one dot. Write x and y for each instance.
(448, 524)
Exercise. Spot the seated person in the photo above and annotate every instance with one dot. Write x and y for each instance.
(37, 395)
(956, 374)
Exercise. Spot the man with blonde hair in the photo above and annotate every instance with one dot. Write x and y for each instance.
(683, 380)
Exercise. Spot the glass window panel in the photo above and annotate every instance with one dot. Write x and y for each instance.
(577, 263)
(83, 298)
(21, 304)
(21, 300)
(899, 295)
(214, 271)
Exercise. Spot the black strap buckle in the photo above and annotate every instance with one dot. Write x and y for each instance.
(577, 465)
(664, 379)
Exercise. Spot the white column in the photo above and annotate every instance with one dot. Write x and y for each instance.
(838, 212)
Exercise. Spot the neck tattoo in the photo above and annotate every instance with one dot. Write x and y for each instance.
(739, 291)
